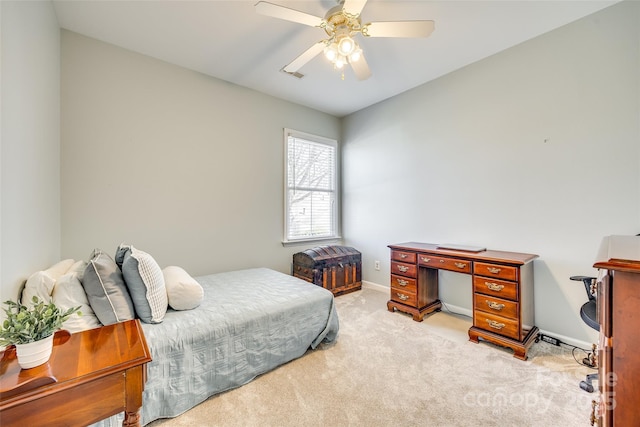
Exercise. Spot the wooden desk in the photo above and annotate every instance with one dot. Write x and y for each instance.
(502, 290)
(91, 375)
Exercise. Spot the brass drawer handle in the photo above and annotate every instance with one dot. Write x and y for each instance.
(426, 259)
(460, 264)
(402, 282)
(403, 256)
(442, 261)
(403, 297)
(494, 305)
(593, 418)
(495, 325)
(494, 270)
(403, 268)
(494, 286)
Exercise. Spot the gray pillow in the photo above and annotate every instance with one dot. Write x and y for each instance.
(145, 282)
(105, 288)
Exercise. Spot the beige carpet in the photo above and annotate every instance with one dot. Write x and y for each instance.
(387, 370)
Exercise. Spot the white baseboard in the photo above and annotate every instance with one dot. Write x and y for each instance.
(375, 286)
(448, 307)
(457, 310)
(568, 340)
(469, 313)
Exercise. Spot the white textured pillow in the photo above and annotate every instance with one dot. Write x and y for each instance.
(183, 292)
(41, 283)
(67, 293)
(145, 282)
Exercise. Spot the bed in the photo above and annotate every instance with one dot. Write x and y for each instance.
(250, 322)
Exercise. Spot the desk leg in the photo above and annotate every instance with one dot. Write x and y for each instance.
(519, 348)
(134, 379)
(131, 419)
(418, 314)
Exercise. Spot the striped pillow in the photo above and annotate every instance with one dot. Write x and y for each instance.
(145, 282)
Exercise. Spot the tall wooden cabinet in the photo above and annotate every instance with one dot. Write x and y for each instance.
(619, 342)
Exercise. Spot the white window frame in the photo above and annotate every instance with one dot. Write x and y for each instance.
(335, 217)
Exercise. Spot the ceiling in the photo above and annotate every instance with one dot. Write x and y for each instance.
(230, 41)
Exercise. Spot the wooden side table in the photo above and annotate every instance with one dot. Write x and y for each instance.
(90, 376)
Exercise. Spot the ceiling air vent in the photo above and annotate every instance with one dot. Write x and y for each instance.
(293, 73)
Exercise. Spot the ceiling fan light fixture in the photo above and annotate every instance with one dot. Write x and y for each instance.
(331, 52)
(346, 46)
(336, 52)
(355, 55)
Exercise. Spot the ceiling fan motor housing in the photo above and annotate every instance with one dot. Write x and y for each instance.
(341, 23)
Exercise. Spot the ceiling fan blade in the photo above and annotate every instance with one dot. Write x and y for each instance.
(354, 7)
(305, 57)
(281, 12)
(399, 29)
(361, 68)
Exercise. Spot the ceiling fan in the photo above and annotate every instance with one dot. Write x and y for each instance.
(342, 23)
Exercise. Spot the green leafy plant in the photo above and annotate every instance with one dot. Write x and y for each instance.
(25, 324)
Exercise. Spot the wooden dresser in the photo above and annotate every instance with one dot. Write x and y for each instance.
(502, 289)
(619, 346)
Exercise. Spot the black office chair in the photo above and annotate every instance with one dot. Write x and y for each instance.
(589, 314)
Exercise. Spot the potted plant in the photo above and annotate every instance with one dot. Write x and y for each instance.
(31, 328)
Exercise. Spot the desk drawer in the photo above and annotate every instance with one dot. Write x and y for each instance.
(498, 288)
(403, 283)
(78, 405)
(494, 305)
(444, 263)
(496, 324)
(402, 256)
(404, 297)
(408, 270)
(496, 270)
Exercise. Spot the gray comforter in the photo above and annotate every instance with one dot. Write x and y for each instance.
(250, 322)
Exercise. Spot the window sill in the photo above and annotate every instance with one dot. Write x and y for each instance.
(306, 242)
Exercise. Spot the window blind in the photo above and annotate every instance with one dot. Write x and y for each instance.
(311, 188)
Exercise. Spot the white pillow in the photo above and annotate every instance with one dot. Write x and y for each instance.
(183, 292)
(41, 283)
(62, 267)
(67, 293)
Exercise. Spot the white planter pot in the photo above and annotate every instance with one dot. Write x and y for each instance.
(34, 353)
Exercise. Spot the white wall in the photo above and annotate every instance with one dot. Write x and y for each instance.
(181, 165)
(535, 149)
(30, 153)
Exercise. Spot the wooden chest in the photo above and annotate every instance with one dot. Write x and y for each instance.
(337, 268)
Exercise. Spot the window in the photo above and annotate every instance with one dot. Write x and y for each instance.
(311, 195)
